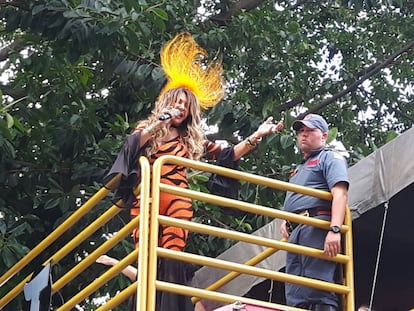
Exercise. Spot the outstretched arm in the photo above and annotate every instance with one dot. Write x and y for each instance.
(130, 271)
(266, 128)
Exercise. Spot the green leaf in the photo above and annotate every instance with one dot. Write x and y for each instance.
(133, 41)
(10, 120)
(201, 178)
(19, 125)
(55, 184)
(4, 129)
(8, 257)
(52, 203)
(74, 119)
(332, 134)
(21, 229)
(143, 71)
(294, 27)
(158, 22)
(145, 29)
(37, 9)
(129, 5)
(3, 227)
(19, 250)
(286, 141)
(157, 74)
(85, 74)
(391, 135)
(160, 13)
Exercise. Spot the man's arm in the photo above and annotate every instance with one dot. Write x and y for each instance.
(340, 198)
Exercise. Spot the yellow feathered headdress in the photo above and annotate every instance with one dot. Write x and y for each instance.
(185, 65)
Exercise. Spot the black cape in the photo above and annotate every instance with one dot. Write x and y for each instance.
(127, 165)
(222, 185)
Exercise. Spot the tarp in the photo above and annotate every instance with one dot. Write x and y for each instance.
(381, 197)
(240, 253)
(385, 176)
(385, 172)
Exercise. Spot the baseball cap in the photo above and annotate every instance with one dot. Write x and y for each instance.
(313, 121)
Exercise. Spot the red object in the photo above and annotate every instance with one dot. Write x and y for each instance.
(312, 162)
(238, 306)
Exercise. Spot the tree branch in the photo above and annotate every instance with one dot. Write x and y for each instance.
(365, 75)
(17, 4)
(224, 17)
(14, 47)
(15, 93)
(368, 74)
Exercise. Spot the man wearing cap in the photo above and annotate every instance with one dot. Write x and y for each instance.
(326, 170)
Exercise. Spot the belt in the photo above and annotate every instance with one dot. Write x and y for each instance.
(308, 213)
(323, 308)
(314, 212)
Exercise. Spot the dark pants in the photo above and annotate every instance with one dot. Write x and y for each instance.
(172, 271)
(323, 308)
(300, 265)
(179, 272)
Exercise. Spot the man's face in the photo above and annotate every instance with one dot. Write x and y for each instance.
(309, 139)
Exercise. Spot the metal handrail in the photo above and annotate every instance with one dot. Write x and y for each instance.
(148, 251)
(156, 220)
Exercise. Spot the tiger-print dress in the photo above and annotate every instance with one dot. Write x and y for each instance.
(172, 205)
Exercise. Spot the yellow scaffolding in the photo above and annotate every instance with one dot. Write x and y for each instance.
(148, 252)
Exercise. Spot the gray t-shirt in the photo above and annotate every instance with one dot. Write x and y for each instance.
(322, 170)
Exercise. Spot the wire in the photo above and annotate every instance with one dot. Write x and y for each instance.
(378, 255)
(270, 292)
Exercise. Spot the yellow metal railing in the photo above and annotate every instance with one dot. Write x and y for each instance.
(148, 252)
(53, 237)
(73, 243)
(345, 289)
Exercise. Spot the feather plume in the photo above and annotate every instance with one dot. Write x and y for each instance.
(185, 65)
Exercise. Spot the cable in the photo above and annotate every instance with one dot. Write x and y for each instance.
(378, 255)
(270, 292)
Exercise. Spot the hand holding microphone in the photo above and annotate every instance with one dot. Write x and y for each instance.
(166, 115)
(172, 113)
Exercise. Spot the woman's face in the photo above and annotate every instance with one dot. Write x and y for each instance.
(182, 104)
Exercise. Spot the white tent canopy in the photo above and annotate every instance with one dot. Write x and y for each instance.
(386, 174)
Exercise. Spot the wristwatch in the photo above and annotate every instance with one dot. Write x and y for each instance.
(335, 229)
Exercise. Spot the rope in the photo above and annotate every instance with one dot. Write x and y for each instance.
(378, 255)
(270, 292)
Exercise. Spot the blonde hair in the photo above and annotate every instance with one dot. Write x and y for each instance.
(188, 71)
(191, 130)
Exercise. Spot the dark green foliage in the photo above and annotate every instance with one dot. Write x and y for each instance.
(81, 73)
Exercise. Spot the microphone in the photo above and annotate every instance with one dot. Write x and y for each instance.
(169, 115)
